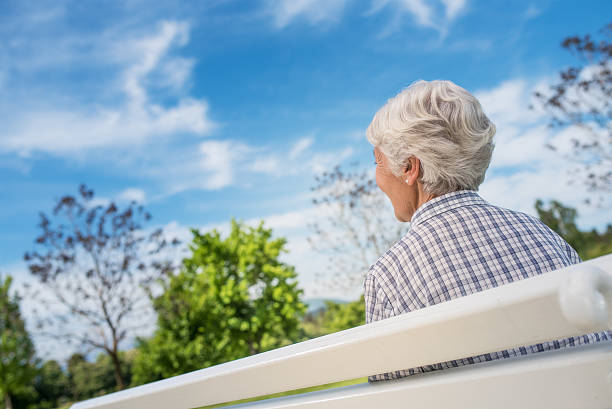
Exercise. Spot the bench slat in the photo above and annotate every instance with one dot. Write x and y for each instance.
(577, 378)
(529, 311)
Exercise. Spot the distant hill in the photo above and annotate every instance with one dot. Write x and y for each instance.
(316, 304)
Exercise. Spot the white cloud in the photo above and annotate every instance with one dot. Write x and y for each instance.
(280, 164)
(217, 161)
(454, 7)
(520, 190)
(295, 219)
(516, 147)
(508, 103)
(425, 13)
(148, 52)
(313, 11)
(135, 120)
(175, 73)
(419, 9)
(133, 195)
(215, 164)
(532, 11)
(523, 133)
(174, 230)
(268, 164)
(523, 169)
(324, 161)
(300, 146)
(211, 165)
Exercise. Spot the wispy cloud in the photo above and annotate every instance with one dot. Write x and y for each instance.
(532, 11)
(285, 12)
(418, 8)
(454, 8)
(300, 146)
(269, 164)
(211, 165)
(218, 163)
(324, 161)
(432, 14)
(133, 195)
(437, 15)
(136, 119)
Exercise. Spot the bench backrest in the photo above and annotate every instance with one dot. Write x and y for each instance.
(567, 302)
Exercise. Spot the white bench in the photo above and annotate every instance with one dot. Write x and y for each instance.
(555, 305)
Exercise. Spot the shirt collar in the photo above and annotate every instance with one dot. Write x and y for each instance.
(444, 203)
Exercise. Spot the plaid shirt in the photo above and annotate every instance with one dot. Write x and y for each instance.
(457, 245)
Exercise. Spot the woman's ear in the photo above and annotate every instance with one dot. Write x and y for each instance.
(412, 170)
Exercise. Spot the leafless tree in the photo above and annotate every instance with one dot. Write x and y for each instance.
(95, 264)
(583, 98)
(358, 226)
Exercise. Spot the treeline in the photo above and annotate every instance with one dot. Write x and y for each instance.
(58, 385)
(230, 297)
(589, 243)
(55, 385)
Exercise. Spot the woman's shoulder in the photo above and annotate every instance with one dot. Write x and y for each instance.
(399, 256)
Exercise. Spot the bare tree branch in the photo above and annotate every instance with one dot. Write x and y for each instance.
(98, 264)
(583, 98)
(355, 232)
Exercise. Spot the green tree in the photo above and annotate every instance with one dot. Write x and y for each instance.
(89, 379)
(334, 317)
(51, 385)
(232, 298)
(338, 316)
(562, 219)
(17, 355)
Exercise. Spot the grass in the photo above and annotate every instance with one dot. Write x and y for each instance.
(289, 393)
(276, 395)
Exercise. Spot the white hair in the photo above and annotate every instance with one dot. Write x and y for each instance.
(443, 126)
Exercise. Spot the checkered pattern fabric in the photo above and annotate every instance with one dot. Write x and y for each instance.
(459, 244)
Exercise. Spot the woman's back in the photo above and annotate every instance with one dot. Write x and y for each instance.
(459, 244)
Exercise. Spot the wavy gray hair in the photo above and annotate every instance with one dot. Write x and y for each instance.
(443, 126)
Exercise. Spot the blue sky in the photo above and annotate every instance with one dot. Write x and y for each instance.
(209, 110)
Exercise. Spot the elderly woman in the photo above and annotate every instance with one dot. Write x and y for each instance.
(432, 145)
